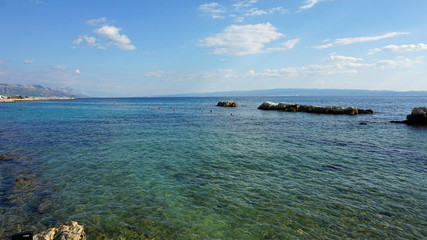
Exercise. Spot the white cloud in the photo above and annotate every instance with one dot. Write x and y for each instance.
(244, 4)
(336, 65)
(112, 32)
(28, 61)
(238, 10)
(400, 48)
(399, 62)
(241, 40)
(285, 46)
(97, 21)
(216, 10)
(335, 58)
(60, 67)
(77, 71)
(347, 41)
(308, 4)
(89, 40)
(259, 12)
(159, 73)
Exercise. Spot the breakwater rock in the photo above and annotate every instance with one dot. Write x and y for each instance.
(290, 107)
(228, 103)
(68, 231)
(417, 117)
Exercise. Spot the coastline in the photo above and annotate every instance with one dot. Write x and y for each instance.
(35, 99)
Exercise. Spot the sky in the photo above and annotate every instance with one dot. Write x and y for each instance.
(123, 48)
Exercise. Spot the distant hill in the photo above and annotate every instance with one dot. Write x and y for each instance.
(37, 91)
(304, 92)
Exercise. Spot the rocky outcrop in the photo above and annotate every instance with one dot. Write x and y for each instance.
(290, 107)
(418, 117)
(69, 231)
(228, 103)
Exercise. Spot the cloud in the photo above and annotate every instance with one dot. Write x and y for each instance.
(238, 10)
(2, 62)
(97, 21)
(248, 39)
(308, 4)
(89, 40)
(112, 32)
(77, 71)
(60, 67)
(244, 4)
(159, 73)
(400, 48)
(347, 41)
(335, 65)
(259, 12)
(216, 10)
(29, 61)
(335, 58)
(284, 46)
(399, 62)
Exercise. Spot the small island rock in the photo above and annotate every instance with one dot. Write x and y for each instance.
(418, 116)
(290, 107)
(228, 103)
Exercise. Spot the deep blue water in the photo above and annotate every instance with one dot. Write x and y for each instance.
(126, 171)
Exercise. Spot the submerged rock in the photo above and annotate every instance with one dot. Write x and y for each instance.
(290, 107)
(228, 103)
(70, 231)
(9, 156)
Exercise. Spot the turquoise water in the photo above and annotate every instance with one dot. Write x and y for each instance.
(127, 171)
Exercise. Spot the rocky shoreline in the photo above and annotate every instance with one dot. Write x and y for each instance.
(66, 231)
(290, 107)
(12, 100)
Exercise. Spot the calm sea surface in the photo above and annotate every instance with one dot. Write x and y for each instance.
(139, 169)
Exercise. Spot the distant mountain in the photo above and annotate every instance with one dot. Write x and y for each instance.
(304, 92)
(37, 91)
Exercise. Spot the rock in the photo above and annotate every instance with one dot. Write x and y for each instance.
(70, 231)
(418, 116)
(365, 111)
(8, 157)
(289, 107)
(228, 103)
(269, 106)
(22, 180)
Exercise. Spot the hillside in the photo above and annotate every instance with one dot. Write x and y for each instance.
(37, 91)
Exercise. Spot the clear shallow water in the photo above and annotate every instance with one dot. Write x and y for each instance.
(139, 172)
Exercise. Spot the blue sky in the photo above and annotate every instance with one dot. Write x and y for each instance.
(151, 47)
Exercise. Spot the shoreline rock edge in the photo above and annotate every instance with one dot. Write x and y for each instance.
(67, 231)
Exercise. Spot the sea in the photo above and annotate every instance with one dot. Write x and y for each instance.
(183, 168)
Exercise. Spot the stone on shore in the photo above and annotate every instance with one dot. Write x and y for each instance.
(228, 103)
(290, 107)
(70, 231)
(418, 116)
